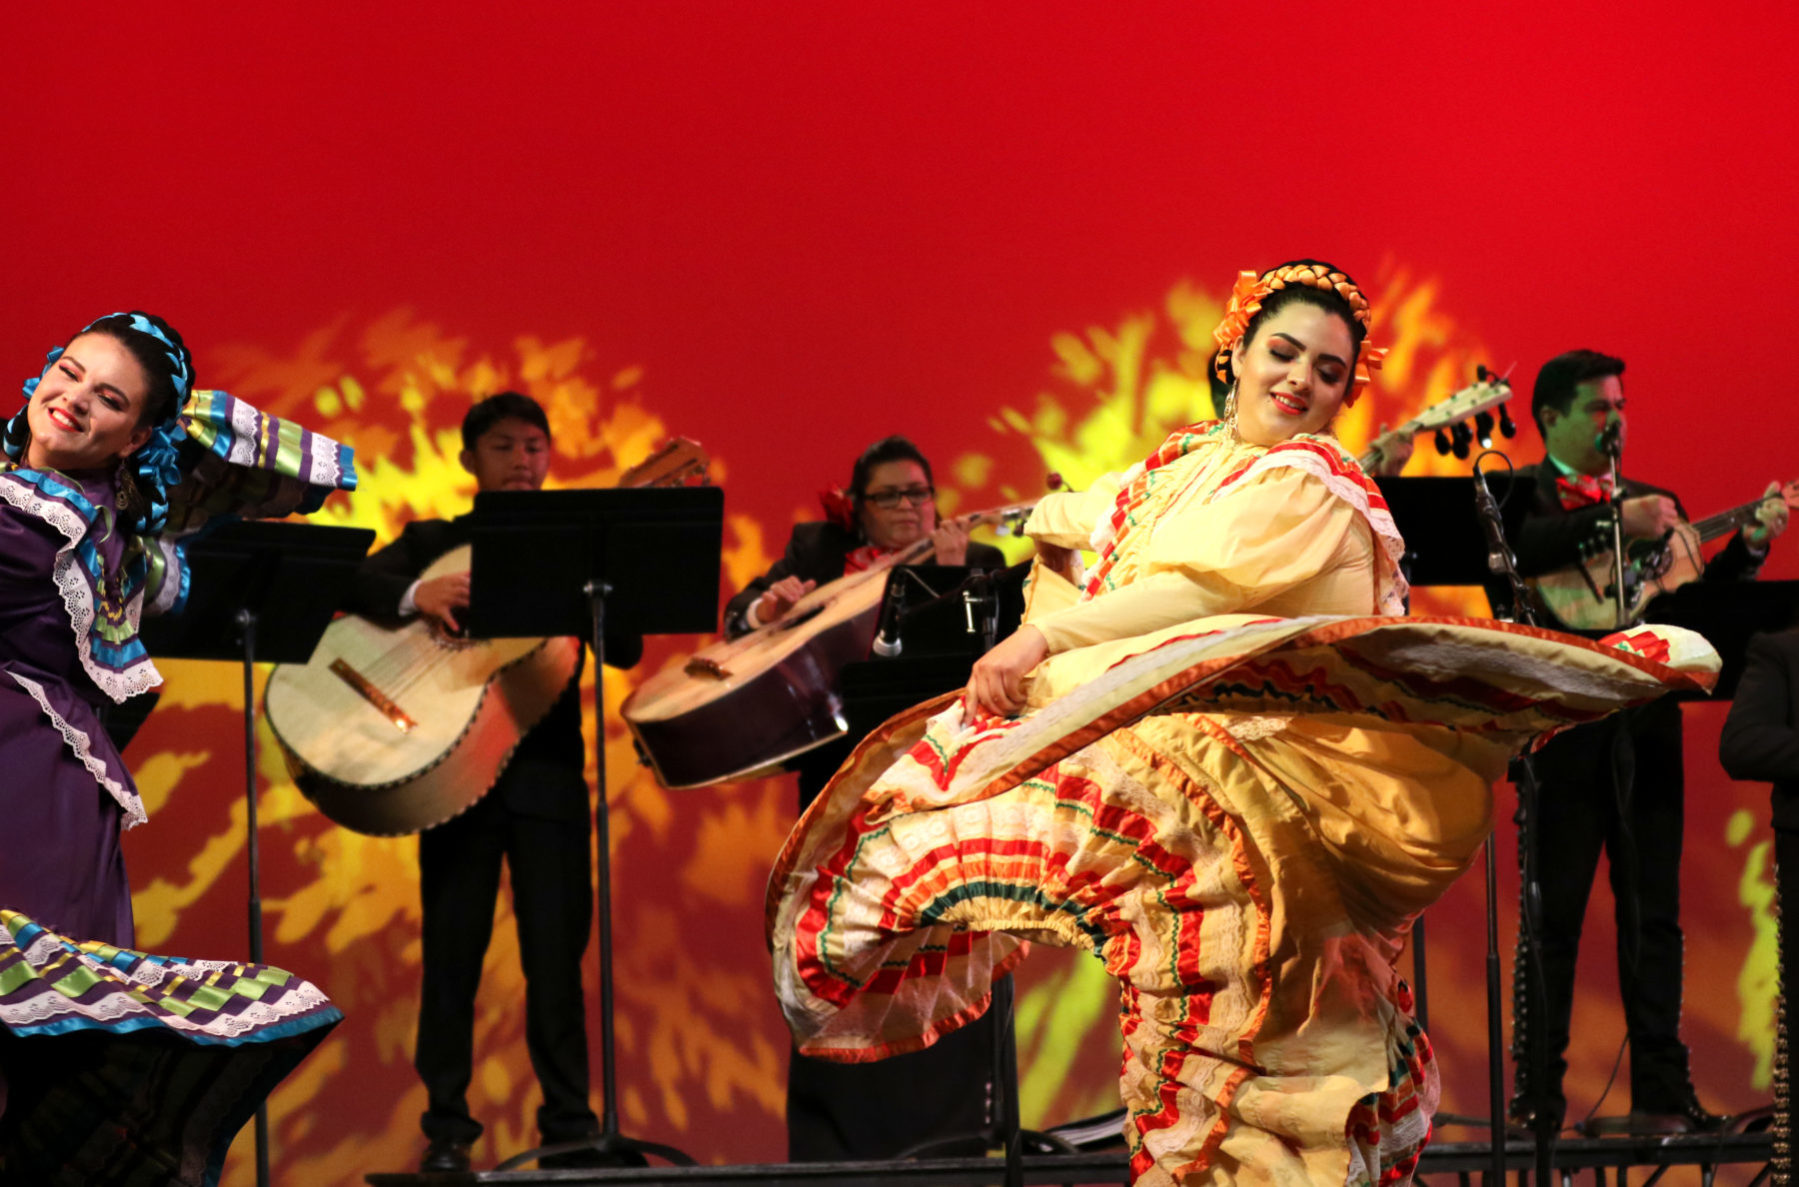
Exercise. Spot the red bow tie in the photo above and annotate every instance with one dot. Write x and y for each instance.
(1583, 490)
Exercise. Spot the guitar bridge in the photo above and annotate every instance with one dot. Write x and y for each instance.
(365, 689)
(700, 666)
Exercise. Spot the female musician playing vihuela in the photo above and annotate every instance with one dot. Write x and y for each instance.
(1224, 764)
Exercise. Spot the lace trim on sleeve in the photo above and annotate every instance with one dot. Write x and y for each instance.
(82, 748)
(75, 586)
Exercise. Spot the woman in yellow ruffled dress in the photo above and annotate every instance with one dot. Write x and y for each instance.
(1226, 765)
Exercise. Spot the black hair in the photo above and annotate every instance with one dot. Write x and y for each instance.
(888, 449)
(163, 400)
(498, 407)
(1562, 374)
(1304, 294)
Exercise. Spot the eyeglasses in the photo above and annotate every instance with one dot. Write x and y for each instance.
(887, 500)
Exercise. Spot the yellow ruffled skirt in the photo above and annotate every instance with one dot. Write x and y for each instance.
(1240, 818)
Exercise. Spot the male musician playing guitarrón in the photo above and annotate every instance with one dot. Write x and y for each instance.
(1615, 785)
(839, 1111)
(535, 819)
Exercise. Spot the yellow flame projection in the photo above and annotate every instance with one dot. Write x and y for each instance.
(1758, 981)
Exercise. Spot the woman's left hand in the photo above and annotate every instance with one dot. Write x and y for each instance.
(997, 683)
(950, 543)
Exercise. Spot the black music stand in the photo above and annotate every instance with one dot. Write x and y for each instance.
(258, 592)
(1446, 545)
(558, 563)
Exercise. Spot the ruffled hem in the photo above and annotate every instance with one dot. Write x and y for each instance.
(57, 985)
(97, 1095)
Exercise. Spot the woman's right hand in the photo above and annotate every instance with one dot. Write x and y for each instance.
(780, 598)
(442, 597)
(997, 683)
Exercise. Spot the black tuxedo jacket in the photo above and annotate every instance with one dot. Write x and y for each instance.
(817, 552)
(1761, 735)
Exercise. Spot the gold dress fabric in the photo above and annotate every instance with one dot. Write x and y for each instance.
(1239, 778)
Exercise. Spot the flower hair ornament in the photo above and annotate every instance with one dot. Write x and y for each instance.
(155, 466)
(838, 507)
(1251, 290)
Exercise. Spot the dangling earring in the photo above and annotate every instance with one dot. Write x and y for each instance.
(127, 498)
(1230, 410)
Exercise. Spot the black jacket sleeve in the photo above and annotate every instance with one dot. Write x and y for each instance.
(1760, 739)
(738, 608)
(1734, 562)
(387, 573)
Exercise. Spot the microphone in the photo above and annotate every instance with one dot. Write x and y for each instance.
(1610, 441)
(887, 642)
(1492, 526)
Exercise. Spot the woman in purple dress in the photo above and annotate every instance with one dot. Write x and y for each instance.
(118, 1066)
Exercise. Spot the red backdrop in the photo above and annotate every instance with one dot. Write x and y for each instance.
(787, 229)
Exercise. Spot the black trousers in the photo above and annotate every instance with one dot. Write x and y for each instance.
(552, 894)
(840, 1112)
(1614, 787)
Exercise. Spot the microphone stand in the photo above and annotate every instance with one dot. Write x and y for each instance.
(1611, 444)
(1501, 563)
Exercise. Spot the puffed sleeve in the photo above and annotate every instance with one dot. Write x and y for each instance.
(1066, 519)
(1281, 530)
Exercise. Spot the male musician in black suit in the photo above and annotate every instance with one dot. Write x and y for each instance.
(1615, 785)
(535, 818)
(838, 1111)
(1761, 742)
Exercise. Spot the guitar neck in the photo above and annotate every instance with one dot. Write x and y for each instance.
(1713, 526)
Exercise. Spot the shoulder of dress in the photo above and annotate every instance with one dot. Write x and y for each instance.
(1316, 443)
(46, 497)
(1320, 457)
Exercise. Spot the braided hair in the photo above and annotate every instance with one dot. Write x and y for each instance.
(147, 474)
(1300, 282)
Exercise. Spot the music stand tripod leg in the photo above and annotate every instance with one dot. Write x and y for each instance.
(610, 1140)
(246, 621)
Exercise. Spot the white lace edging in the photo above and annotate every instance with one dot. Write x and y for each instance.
(79, 744)
(301, 996)
(78, 597)
(1251, 729)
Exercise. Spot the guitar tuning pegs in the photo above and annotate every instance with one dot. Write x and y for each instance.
(1054, 480)
(1442, 443)
(1507, 429)
(1462, 437)
(1483, 429)
(1480, 373)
